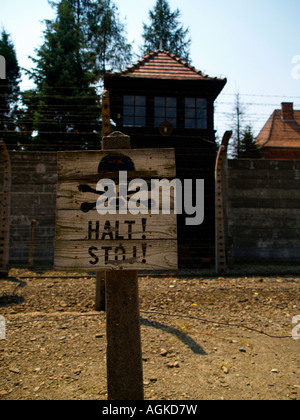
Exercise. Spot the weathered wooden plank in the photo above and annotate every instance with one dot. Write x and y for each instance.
(88, 241)
(77, 226)
(69, 196)
(143, 163)
(116, 255)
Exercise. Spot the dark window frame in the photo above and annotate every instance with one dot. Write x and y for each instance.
(165, 109)
(134, 111)
(195, 116)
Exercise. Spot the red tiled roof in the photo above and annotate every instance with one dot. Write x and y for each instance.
(163, 65)
(280, 133)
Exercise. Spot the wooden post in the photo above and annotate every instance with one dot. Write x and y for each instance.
(124, 353)
(5, 211)
(124, 349)
(220, 228)
(100, 291)
(31, 245)
(106, 127)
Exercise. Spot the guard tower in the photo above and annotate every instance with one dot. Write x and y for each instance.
(163, 102)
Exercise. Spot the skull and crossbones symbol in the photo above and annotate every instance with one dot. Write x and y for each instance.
(110, 164)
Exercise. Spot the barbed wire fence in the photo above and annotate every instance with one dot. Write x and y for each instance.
(258, 108)
(153, 313)
(223, 120)
(159, 314)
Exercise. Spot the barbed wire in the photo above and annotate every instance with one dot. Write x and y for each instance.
(207, 321)
(74, 115)
(189, 317)
(36, 95)
(27, 88)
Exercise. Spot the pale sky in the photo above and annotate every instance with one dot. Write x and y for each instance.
(254, 44)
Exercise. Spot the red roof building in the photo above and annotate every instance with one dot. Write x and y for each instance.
(163, 102)
(162, 64)
(280, 137)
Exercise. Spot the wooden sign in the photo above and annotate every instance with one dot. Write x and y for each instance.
(137, 227)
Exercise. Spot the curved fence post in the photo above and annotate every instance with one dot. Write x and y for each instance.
(221, 264)
(5, 210)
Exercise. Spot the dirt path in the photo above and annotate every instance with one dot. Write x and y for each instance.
(55, 344)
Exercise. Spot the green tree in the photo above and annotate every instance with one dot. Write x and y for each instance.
(106, 37)
(26, 115)
(68, 111)
(9, 93)
(84, 39)
(238, 116)
(104, 34)
(166, 30)
(248, 147)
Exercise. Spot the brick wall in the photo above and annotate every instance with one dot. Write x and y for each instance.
(33, 196)
(264, 209)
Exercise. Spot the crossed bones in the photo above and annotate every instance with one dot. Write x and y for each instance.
(86, 207)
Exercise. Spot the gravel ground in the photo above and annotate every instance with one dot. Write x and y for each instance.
(55, 346)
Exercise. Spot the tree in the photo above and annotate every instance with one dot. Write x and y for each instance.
(106, 37)
(85, 37)
(238, 114)
(165, 29)
(248, 147)
(243, 145)
(68, 112)
(26, 115)
(9, 91)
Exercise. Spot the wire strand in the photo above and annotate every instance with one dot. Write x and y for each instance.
(202, 320)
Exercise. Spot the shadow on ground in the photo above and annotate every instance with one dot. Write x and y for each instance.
(186, 339)
(12, 298)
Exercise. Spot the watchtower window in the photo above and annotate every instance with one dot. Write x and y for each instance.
(165, 109)
(134, 111)
(196, 113)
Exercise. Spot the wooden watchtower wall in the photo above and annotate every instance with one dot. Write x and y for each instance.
(137, 97)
